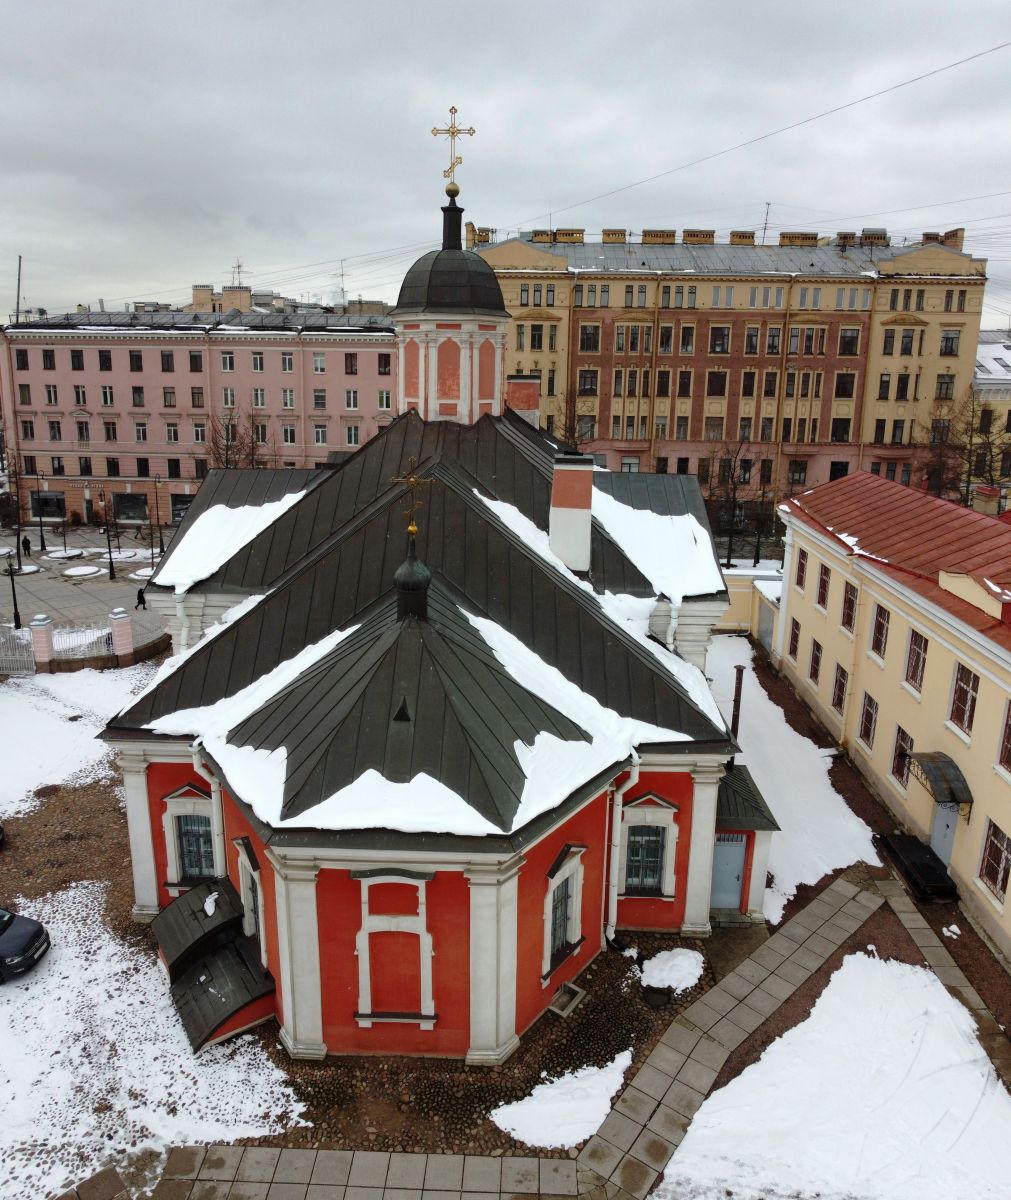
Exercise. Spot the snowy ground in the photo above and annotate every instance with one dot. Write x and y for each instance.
(565, 1111)
(94, 1061)
(50, 723)
(884, 1093)
(819, 832)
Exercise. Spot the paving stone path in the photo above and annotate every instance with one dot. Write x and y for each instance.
(629, 1151)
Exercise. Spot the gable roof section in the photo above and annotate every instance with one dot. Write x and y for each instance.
(914, 537)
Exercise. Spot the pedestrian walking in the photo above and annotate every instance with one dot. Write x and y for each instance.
(26, 546)
(141, 601)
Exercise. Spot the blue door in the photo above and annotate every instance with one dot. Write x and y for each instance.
(942, 832)
(728, 870)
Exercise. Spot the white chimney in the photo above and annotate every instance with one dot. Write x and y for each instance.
(571, 503)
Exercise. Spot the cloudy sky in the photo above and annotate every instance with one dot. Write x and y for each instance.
(145, 147)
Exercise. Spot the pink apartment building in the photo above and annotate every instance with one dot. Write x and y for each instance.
(138, 406)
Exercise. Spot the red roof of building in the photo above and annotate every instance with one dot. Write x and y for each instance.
(914, 537)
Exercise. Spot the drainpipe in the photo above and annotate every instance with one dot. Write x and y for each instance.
(184, 623)
(612, 873)
(217, 820)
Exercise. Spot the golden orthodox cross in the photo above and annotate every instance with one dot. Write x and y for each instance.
(453, 131)
(411, 481)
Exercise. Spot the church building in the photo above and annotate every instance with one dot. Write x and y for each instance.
(436, 725)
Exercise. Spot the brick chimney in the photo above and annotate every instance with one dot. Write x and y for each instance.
(571, 501)
(986, 499)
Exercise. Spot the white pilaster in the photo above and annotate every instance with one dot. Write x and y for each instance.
(779, 638)
(759, 871)
(138, 821)
(706, 779)
(298, 943)
(494, 894)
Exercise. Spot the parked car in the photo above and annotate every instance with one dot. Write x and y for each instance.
(22, 943)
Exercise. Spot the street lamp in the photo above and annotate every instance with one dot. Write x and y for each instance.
(108, 534)
(14, 595)
(39, 476)
(157, 510)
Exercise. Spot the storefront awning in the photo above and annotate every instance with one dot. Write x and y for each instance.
(942, 777)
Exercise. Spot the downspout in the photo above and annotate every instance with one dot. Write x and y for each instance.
(184, 623)
(217, 819)
(612, 872)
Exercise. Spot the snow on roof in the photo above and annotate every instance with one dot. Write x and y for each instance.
(216, 535)
(771, 589)
(628, 612)
(675, 553)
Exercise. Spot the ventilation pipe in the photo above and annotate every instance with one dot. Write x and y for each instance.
(615, 857)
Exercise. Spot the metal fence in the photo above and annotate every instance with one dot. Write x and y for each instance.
(16, 657)
(82, 640)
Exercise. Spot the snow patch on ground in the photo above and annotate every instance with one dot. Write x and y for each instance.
(51, 723)
(215, 536)
(819, 833)
(883, 1093)
(95, 1058)
(677, 969)
(567, 1110)
(951, 931)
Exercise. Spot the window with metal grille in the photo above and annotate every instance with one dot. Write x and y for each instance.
(996, 865)
(963, 699)
(1005, 741)
(196, 849)
(900, 755)
(644, 858)
(879, 635)
(868, 720)
(561, 901)
(916, 660)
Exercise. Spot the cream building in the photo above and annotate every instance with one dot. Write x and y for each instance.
(894, 625)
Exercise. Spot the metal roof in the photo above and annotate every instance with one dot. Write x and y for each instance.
(739, 803)
(184, 930)
(218, 986)
(451, 281)
(943, 777)
(724, 259)
(196, 322)
(329, 563)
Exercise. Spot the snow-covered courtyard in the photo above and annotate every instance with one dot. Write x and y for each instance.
(883, 1093)
(818, 831)
(95, 1061)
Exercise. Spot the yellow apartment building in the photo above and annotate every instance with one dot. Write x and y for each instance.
(894, 626)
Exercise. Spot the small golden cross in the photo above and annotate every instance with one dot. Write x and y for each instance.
(453, 131)
(411, 481)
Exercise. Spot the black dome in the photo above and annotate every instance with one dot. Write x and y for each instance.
(451, 279)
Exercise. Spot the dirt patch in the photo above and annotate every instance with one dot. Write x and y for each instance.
(971, 953)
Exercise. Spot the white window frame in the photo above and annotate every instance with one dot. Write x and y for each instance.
(351, 398)
(571, 868)
(288, 399)
(287, 362)
(288, 435)
(246, 876)
(352, 435)
(227, 360)
(382, 923)
(259, 397)
(319, 364)
(188, 801)
(385, 400)
(257, 360)
(319, 435)
(651, 810)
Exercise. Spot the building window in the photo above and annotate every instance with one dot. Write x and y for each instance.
(24, 393)
(845, 385)
(77, 360)
(84, 466)
(288, 435)
(110, 430)
(879, 633)
(112, 468)
(171, 431)
(644, 858)
(840, 430)
(228, 397)
(105, 360)
(824, 577)
(260, 433)
(137, 396)
(713, 429)
(199, 431)
(143, 468)
(350, 364)
(794, 638)
(900, 755)
(260, 397)
(562, 910)
(319, 435)
(587, 383)
(287, 362)
(589, 339)
(849, 606)
(319, 364)
(168, 397)
(168, 360)
(140, 431)
(52, 396)
(716, 383)
(257, 360)
(30, 466)
(384, 364)
(287, 397)
(868, 720)
(55, 431)
(798, 469)
(800, 578)
(814, 670)
(839, 688)
(227, 360)
(849, 343)
(200, 468)
(352, 435)
(687, 339)
(996, 865)
(949, 342)
(21, 360)
(916, 660)
(945, 387)
(385, 401)
(27, 430)
(196, 847)
(719, 339)
(772, 340)
(963, 699)
(196, 360)
(550, 293)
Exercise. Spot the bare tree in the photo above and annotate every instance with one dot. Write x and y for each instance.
(735, 477)
(232, 442)
(965, 444)
(13, 500)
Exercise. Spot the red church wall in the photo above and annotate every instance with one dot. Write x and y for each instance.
(647, 912)
(253, 1014)
(448, 370)
(395, 963)
(486, 371)
(162, 780)
(584, 828)
(411, 368)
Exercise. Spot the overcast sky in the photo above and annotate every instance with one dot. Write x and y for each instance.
(147, 146)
